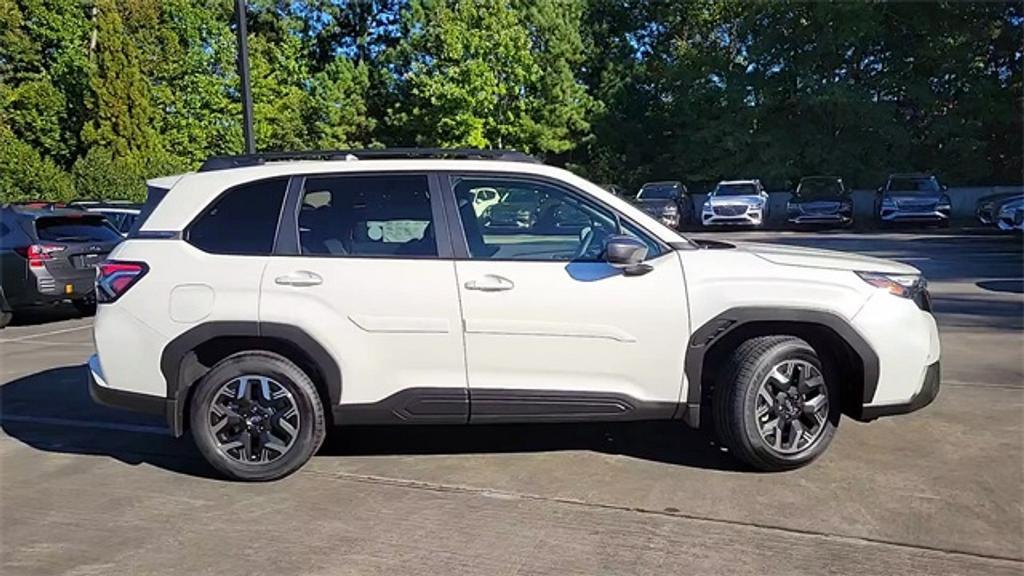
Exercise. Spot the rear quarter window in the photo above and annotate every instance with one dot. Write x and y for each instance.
(242, 221)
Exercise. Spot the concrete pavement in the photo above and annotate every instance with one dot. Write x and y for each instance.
(86, 490)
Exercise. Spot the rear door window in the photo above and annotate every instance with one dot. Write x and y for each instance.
(243, 221)
(367, 216)
(75, 229)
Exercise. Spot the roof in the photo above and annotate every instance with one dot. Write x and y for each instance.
(351, 155)
(190, 193)
(662, 183)
(728, 182)
(46, 212)
(912, 175)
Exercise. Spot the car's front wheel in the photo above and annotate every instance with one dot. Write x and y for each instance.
(776, 406)
(256, 416)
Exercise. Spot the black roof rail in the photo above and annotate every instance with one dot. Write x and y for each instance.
(225, 162)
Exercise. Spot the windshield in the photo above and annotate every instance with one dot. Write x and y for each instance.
(735, 190)
(658, 192)
(76, 229)
(924, 186)
(818, 188)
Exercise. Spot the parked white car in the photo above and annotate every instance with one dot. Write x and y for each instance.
(736, 202)
(261, 301)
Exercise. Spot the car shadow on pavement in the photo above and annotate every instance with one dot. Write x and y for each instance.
(37, 316)
(53, 412)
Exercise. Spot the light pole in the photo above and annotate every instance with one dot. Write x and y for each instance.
(243, 75)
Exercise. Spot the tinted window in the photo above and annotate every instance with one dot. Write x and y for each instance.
(243, 221)
(819, 187)
(367, 216)
(76, 229)
(914, 185)
(736, 190)
(658, 191)
(535, 221)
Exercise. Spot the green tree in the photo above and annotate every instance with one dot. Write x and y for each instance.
(491, 74)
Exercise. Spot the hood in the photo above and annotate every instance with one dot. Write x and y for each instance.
(513, 206)
(825, 200)
(753, 200)
(830, 259)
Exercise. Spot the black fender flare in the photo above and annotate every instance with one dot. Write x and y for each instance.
(174, 355)
(704, 337)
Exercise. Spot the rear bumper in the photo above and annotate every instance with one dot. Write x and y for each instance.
(131, 401)
(923, 397)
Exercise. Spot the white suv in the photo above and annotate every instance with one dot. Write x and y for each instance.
(736, 202)
(263, 299)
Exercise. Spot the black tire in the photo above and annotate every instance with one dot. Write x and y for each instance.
(5, 319)
(311, 423)
(735, 403)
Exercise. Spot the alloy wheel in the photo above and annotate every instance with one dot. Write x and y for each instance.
(792, 407)
(253, 419)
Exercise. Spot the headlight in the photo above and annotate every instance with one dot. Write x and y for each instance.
(670, 210)
(707, 206)
(944, 204)
(523, 214)
(902, 285)
(888, 202)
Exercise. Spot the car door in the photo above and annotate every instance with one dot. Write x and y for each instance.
(361, 269)
(552, 331)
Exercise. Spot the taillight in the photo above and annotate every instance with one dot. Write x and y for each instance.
(115, 277)
(38, 254)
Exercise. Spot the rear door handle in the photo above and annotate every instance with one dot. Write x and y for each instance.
(490, 283)
(299, 278)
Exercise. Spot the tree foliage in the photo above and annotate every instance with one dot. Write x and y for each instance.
(97, 95)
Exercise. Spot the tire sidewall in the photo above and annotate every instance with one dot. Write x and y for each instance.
(311, 420)
(788, 350)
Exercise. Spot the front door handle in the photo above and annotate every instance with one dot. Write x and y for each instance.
(490, 283)
(299, 278)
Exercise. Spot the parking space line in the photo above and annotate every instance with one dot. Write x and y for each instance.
(45, 334)
(139, 428)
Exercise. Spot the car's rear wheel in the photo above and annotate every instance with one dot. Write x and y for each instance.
(256, 416)
(776, 406)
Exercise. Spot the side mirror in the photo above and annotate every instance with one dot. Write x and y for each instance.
(627, 254)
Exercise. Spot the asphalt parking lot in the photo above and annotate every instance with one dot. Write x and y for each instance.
(87, 490)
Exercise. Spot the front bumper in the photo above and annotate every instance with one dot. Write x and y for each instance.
(840, 219)
(750, 218)
(923, 397)
(901, 215)
(121, 399)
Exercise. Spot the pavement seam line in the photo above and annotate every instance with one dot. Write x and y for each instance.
(490, 492)
(45, 334)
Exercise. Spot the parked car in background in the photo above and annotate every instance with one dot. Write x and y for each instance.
(517, 210)
(121, 214)
(917, 198)
(669, 202)
(50, 255)
(820, 200)
(736, 202)
(1011, 215)
(987, 208)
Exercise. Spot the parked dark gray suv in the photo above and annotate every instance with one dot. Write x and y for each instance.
(49, 255)
(915, 198)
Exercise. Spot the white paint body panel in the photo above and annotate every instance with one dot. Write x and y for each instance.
(390, 324)
(393, 324)
(577, 327)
